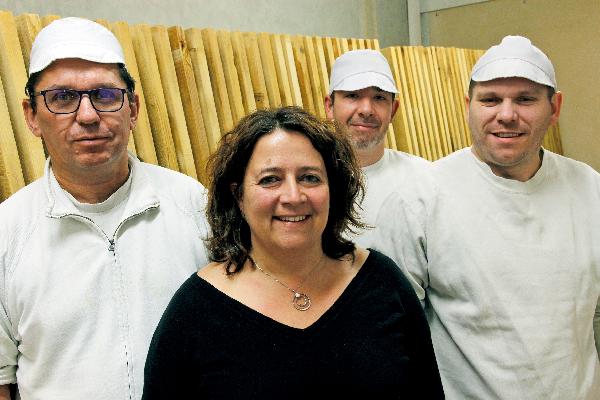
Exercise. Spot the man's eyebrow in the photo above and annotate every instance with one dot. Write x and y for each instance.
(534, 91)
(487, 93)
(379, 90)
(107, 85)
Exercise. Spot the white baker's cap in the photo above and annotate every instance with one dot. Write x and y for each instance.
(516, 57)
(74, 38)
(359, 69)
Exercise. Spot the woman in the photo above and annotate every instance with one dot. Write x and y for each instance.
(290, 308)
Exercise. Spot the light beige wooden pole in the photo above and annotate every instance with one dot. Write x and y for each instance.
(14, 78)
(345, 44)
(316, 88)
(462, 78)
(329, 52)
(406, 103)
(421, 107)
(257, 75)
(337, 47)
(400, 121)
(243, 72)
(131, 140)
(28, 26)
(268, 66)
(558, 142)
(142, 133)
(323, 73)
(281, 73)
(390, 138)
(47, 19)
(441, 116)
(428, 103)
(416, 100)
(453, 114)
(292, 74)
(172, 95)
(459, 99)
(11, 174)
(303, 73)
(217, 79)
(190, 100)
(203, 83)
(155, 97)
(232, 80)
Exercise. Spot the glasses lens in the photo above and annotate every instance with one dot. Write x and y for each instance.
(107, 99)
(61, 100)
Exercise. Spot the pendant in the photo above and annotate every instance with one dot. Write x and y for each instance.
(300, 301)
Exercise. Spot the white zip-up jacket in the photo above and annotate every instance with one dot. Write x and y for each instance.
(78, 308)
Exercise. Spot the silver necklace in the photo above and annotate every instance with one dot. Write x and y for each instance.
(300, 301)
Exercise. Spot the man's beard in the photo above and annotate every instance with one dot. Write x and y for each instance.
(367, 143)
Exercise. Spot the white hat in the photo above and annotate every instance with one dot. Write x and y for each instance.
(515, 56)
(359, 69)
(74, 38)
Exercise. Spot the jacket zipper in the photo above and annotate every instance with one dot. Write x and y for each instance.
(111, 248)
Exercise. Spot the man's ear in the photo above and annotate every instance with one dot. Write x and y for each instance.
(328, 102)
(395, 106)
(134, 107)
(467, 103)
(31, 118)
(556, 103)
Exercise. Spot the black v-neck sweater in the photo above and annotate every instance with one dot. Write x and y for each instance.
(373, 342)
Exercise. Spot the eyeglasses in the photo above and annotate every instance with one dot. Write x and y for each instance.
(67, 101)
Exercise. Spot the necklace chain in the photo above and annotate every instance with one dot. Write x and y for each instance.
(300, 301)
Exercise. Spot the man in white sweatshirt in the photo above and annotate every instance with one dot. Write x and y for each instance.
(92, 252)
(506, 257)
(362, 102)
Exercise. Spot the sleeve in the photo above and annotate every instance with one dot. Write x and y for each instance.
(8, 351)
(401, 235)
(8, 346)
(191, 196)
(597, 327)
(167, 370)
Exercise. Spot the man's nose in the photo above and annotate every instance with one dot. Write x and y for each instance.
(365, 107)
(506, 111)
(86, 113)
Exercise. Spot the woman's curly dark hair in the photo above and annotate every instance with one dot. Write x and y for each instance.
(230, 239)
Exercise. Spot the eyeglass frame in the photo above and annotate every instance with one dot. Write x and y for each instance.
(42, 93)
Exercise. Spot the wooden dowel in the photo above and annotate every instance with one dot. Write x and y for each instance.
(14, 78)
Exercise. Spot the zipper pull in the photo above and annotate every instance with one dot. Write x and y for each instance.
(111, 247)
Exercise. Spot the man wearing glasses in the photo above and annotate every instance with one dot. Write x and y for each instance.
(91, 253)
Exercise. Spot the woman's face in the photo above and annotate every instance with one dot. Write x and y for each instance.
(285, 197)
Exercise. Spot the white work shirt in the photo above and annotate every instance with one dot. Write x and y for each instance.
(395, 172)
(79, 306)
(510, 272)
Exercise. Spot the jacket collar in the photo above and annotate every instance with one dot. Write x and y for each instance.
(142, 197)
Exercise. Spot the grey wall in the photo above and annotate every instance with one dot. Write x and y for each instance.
(392, 22)
(383, 19)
